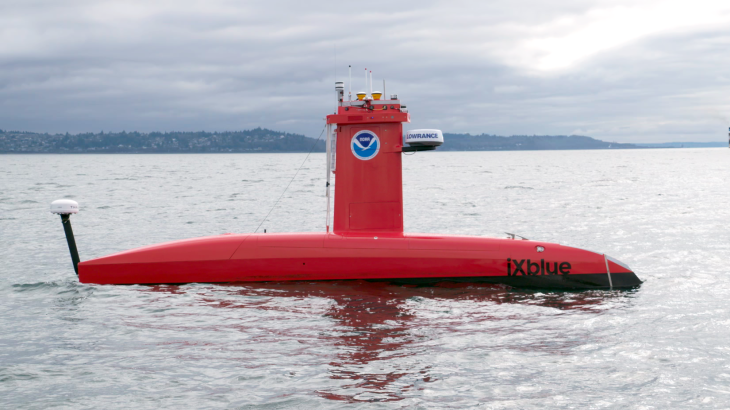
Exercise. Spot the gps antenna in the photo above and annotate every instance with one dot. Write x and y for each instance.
(66, 207)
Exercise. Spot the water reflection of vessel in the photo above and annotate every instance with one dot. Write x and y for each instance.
(365, 144)
(374, 342)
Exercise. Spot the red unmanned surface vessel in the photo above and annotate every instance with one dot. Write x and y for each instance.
(365, 143)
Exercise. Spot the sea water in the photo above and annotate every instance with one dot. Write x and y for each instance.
(336, 345)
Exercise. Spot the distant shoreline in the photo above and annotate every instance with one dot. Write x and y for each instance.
(321, 152)
(261, 140)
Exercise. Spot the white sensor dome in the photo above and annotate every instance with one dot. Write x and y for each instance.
(64, 207)
(432, 138)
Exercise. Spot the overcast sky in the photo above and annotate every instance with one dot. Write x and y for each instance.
(626, 71)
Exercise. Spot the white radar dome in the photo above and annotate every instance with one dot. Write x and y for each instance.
(432, 138)
(64, 207)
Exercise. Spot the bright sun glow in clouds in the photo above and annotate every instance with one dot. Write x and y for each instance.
(606, 28)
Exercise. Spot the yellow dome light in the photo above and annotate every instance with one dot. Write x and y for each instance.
(377, 95)
(361, 95)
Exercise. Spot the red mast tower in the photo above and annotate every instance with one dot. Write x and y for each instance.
(367, 139)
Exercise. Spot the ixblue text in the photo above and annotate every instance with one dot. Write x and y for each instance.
(529, 268)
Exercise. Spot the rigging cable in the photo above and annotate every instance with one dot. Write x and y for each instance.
(292, 179)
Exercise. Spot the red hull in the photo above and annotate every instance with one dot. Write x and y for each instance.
(317, 256)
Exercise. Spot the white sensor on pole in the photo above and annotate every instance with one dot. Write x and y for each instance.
(64, 207)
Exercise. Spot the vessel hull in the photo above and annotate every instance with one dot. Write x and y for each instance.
(411, 258)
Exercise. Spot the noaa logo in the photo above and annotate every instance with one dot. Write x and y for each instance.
(365, 145)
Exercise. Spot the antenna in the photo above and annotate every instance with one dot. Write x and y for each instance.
(66, 207)
(366, 80)
(349, 82)
(371, 82)
(384, 94)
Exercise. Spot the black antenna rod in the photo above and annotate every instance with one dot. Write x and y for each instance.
(66, 207)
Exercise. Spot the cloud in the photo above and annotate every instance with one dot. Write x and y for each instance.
(624, 71)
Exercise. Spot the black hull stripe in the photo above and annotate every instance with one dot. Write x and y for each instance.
(626, 280)
(582, 281)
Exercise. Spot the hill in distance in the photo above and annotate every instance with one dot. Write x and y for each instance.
(486, 142)
(255, 140)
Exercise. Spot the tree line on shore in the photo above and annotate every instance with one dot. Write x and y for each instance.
(260, 140)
